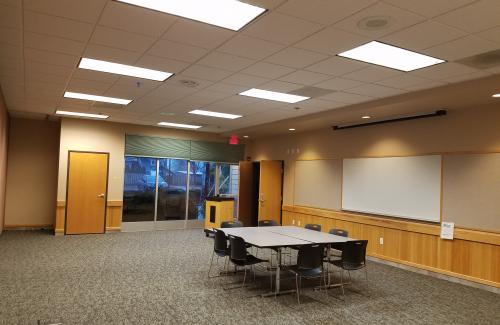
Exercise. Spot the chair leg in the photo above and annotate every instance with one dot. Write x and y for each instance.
(211, 262)
(342, 282)
(244, 275)
(297, 288)
(350, 279)
(366, 273)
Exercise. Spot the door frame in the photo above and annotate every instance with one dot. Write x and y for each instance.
(67, 185)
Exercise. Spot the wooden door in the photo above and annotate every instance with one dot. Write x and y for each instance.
(270, 190)
(86, 193)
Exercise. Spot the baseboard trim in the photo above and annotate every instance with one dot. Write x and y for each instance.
(28, 227)
(451, 278)
(113, 229)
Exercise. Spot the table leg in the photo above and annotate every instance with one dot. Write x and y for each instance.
(278, 271)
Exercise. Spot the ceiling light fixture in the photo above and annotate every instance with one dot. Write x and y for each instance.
(178, 125)
(231, 14)
(245, 136)
(123, 69)
(96, 98)
(291, 129)
(366, 117)
(390, 56)
(214, 114)
(496, 95)
(86, 115)
(273, 95)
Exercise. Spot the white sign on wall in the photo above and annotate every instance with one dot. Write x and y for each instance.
(447, 229)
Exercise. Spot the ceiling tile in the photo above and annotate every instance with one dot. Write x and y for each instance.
(47, 78)
(178, 79)
(268, 70)
(228, 89)
(423, 8)
(403, 81)
(177, 51)
(336, 66)
(11, 51)
(338, 84)
(111, 54)
(51, 57)
(249, 47)
(375, 90)
(12, 3)
(443, 71)
(267, 4)
(475, 17)
(281, 29)
(324, 12)
(48, 68)
(423, 35)
(207, 73)
(197, 34)
(427, 85)
(332, 41)
(95, 76)
(55, 26)
(280, 86)
(305, 77)
(11, 36)
(469, 76)
(461, 48)
(398, 19)
(11, 17)
(87, 10)
(86, 86)
(52, 43)
(135, 19)
(348, 98)
(127, 87)
(491, 34)
(225, 61)
(162, 64)
(372, 73)
(295, 58)
(242, 79)
(123, 40)
(231, 103)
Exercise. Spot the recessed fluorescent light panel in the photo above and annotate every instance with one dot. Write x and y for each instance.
(86, 115)
(496, 95)
(122, 69)
(214, 114)
(177, 125)
(231, 14)
(390, 56)
(96, 98)
(272, 95)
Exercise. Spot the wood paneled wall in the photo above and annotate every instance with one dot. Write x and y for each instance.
(113, 216)
(473, 255)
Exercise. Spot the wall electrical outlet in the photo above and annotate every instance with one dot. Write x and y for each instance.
(381, 240)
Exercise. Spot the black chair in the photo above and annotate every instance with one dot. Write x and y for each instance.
(353, 258)
(337, 247)
(309, 265)
(220, 249)
(268, 223)
(240, 257)
(313, 226)
(231, 224)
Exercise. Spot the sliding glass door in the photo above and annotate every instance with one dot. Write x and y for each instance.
(167, 193)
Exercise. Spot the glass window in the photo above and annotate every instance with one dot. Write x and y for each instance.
(201, 185)
(139, 189)
(172, 184)
(228, 179)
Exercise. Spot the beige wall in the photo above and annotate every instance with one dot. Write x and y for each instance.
(102, 136)
(32, 172)
(466, 130)
(4, 123)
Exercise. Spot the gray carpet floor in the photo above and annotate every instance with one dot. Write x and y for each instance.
(161, 278)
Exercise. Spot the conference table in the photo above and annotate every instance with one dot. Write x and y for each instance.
(279, 237)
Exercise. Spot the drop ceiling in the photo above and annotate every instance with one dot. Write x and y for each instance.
(292, 46)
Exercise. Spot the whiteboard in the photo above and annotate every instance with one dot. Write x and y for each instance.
(318, 183)
(406, 187)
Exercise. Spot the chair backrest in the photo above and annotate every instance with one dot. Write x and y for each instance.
(339, 232)
(267, 223)
(313, 226)
(231, 224)
(310, 256)
(220, 241)
(238, 248)
(354, 253)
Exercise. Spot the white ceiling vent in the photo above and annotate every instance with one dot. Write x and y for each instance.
(482, 61)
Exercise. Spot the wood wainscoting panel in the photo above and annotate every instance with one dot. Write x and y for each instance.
(113, 216)
(473, 255)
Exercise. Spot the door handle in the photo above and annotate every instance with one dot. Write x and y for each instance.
(100, 196)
